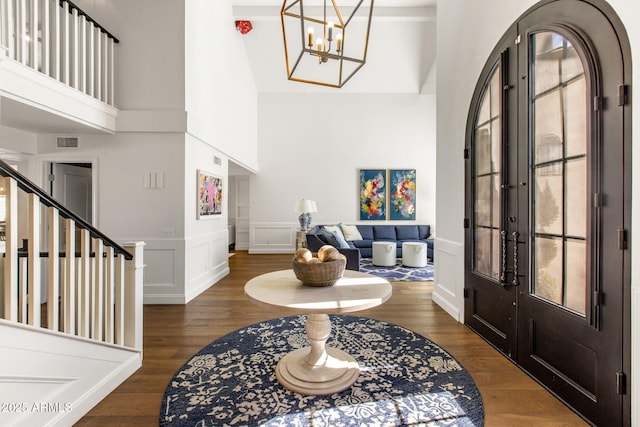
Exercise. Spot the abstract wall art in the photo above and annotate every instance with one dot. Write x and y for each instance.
(209, 195)
(402, 194)
(373, 200)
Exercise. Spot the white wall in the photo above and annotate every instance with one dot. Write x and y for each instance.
(221, 106)
(459, 66)
(150, 68)
(126, 210)
(206, 240)
(312, 146)
(18, 141)
(168, 126)
(126, 207)
(221, 98)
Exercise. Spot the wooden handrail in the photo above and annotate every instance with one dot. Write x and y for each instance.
(25, 184)
(90, 19)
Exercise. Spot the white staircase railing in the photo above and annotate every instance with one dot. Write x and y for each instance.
(83, 284)
(58, 39)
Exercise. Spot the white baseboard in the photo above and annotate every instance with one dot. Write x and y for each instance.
(443, 298)
(194, 292)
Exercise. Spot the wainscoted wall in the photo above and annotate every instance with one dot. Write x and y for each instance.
(272, 237)
(179, 270)
(49, 378)
(165, 267)
(207, 261)
(448, 285)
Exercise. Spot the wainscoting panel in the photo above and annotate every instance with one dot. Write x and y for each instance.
(49, 378)
(178, 270)
(448, 285)
(164, 271)
(207, 261)
(272, 237)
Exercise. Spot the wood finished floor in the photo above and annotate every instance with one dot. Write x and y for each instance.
(173, 333)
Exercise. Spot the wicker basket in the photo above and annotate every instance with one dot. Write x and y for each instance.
(319, 274)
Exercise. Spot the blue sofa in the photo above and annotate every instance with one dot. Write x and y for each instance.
(354, 249)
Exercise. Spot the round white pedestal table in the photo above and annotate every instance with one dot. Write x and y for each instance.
(318, 370)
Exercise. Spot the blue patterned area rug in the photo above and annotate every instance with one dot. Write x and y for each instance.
(405, 379)
(398, 272)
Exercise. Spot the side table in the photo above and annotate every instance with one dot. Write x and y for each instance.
(301, 239)
(414, 254)
(383, 254)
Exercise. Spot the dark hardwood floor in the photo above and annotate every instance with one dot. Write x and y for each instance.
(172, 333)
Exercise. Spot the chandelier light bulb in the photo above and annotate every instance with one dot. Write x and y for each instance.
(310, 33)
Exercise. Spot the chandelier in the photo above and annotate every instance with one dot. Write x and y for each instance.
(323, 45)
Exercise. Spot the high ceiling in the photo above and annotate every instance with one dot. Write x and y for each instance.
(378, 3)
(400, 57)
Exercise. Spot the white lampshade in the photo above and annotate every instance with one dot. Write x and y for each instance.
(305, 206)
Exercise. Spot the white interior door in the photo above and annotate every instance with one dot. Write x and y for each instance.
(72, 187)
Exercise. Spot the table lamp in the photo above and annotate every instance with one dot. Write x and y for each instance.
(305, 207)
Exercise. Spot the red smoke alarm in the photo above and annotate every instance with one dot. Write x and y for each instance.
(244, 26)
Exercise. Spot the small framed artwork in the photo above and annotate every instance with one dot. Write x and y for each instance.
(402, 194)
(373, 199)
(209, 195)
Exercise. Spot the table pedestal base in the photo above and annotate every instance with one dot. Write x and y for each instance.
(317, 370)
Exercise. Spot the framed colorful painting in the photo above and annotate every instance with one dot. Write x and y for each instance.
(373, 199)
(402, 194)
(209, 195)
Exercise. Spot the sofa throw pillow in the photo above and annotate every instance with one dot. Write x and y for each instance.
(350, 232)
(342, 243)
(327, 237)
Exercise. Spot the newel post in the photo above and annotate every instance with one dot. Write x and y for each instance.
(133, 295)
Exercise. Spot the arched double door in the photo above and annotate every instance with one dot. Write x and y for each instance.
(548, 174)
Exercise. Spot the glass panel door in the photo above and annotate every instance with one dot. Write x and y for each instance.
(547, 209)
(487, 180)
(560, 158)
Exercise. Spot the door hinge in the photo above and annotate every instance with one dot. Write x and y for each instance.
(622, 239)
(621, 383)
(597, 200)
(597, 103)
(465, 223)
(623, 95)
(597, 298)
(51, 177)
(518, 39)
(466, 153)
(465, 293)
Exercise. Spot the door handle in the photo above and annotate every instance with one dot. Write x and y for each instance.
(515, 281)
(503, 273)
